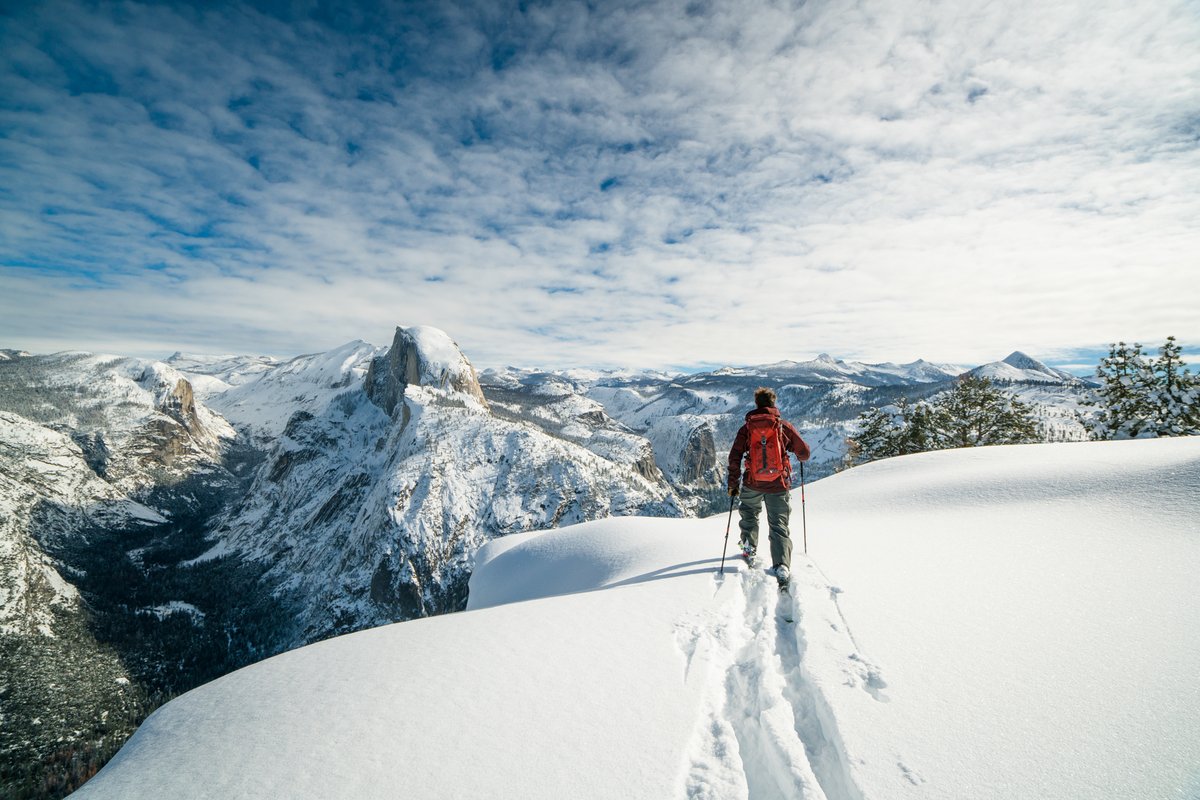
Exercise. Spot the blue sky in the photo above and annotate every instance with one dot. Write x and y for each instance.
(649, 184)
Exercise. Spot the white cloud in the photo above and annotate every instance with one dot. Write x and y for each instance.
(665, 184)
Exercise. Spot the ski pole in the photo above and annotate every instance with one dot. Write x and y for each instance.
(803, 518)
(726, 545)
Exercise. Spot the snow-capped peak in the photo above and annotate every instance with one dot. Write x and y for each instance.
(421, 356)
(1022, 361)
(1024, 368)
(440, 361)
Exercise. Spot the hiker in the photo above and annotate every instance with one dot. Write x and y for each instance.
(766, 438)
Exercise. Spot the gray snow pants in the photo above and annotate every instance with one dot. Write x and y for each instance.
(779, 509)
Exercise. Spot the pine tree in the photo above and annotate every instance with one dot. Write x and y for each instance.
(919, 434)
(1124, 398)
(976, 413)
(1175, 399)
(879, 434)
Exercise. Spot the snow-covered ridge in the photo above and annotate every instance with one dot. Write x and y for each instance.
(261, 401)
(827, 368)
(990, 623)
(120, 392)
(212, 375)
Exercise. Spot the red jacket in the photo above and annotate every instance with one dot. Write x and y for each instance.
(791, 442)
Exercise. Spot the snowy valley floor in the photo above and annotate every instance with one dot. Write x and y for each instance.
(1015, 622)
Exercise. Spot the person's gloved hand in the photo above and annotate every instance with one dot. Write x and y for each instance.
(733, 491)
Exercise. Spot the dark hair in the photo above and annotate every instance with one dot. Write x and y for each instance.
(764, 397)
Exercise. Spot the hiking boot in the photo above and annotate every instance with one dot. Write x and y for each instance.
(747, 550)
(782, 573)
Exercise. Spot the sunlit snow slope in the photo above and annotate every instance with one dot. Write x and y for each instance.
(995, 623)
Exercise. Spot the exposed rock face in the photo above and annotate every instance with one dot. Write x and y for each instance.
(163, 442)
(699, 458)
(646, 466)
(95, 451)
(173, 439)
(420, 356)
(180, 404)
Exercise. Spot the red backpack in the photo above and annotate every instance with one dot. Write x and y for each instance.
(767, 459)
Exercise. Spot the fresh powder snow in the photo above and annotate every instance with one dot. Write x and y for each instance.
(1003, 622)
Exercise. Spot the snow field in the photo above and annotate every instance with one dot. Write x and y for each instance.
(1012, 622)
(760, 728)
(1034, 611)
(764, 730)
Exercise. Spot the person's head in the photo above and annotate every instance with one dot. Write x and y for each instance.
(764, 397)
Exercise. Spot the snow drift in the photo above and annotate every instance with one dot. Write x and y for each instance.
(1010, 622)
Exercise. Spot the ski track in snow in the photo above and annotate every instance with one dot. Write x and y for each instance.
(765, 729)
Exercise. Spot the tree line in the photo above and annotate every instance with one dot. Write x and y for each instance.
(1138, 397)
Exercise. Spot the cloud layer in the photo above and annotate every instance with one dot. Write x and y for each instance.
(643, 184)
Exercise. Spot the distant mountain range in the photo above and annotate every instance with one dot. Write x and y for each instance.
(162, 523)
(827, 368)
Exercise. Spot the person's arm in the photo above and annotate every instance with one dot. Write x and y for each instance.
(736, 453)
(793, 442)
